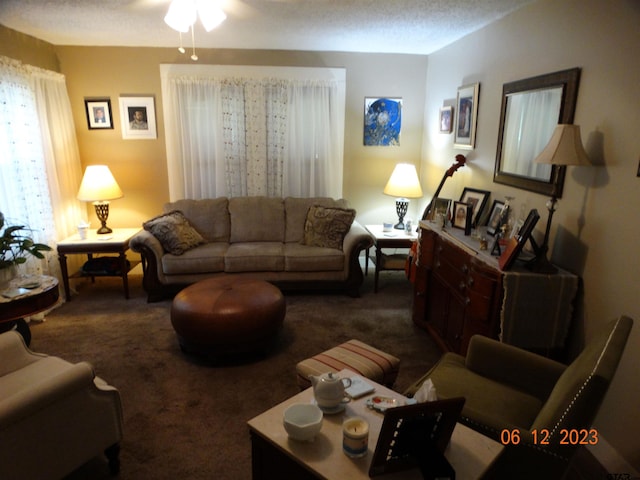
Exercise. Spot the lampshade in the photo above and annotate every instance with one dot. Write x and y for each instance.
(564, 148)
(98, 185)
(404, 182)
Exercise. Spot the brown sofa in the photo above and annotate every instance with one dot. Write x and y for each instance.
(295, 243)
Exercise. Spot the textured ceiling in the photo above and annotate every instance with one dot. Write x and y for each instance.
(387, 26)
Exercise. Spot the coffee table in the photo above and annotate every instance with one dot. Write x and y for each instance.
(274, 455)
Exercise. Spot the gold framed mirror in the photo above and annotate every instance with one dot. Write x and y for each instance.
(531, 108)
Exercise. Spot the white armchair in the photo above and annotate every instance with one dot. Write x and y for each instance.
(54, 415)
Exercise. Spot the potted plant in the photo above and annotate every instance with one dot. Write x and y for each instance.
(15, 247)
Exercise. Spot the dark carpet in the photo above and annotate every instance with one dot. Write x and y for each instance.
(187, 419)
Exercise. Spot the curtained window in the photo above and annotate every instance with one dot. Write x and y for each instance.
(39, 160)
(272, 131)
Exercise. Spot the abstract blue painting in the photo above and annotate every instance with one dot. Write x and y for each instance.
(382, 121)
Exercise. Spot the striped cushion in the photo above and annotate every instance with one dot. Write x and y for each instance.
(354, 355)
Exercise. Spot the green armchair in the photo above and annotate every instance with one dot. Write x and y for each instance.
(550, 406)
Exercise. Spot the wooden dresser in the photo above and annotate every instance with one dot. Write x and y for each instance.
(460, 291)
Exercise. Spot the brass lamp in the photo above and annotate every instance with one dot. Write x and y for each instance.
(99, 186)
(403, 184)
(564, 148)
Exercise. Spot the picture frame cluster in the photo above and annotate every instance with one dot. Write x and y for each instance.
(137, 115)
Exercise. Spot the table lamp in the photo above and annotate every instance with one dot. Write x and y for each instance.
(403, 184)
(564, 148)
(99, 186)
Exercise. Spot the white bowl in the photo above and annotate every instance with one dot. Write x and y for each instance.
(302, 421)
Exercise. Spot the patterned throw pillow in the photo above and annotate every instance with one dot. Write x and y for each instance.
(327, 227)
(174, 232)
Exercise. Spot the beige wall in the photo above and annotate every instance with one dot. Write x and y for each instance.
(140, 165)
(28, 49)
(599, 230)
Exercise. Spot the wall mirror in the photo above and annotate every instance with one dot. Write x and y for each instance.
(531, 108)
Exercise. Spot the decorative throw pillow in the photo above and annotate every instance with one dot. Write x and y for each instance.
(327, 227)
(174, 232)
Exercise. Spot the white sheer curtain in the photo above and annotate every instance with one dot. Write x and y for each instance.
(235, 131)
(39, 165)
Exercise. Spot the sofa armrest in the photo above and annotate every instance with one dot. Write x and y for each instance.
(357, 238)
(505, 363)
(39, 395)
(144, 241)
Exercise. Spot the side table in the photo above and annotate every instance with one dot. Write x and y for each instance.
(115, 242)
(274, 455)
(24, 297)
(393, 239)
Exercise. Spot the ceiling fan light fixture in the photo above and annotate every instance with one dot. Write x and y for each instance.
(181, 15)
(210, 14)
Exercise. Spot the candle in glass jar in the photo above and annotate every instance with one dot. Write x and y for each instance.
(355, 437)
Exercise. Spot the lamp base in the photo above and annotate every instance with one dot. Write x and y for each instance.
(402, 204)
(102, 212)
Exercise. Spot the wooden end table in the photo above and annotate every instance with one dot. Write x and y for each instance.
(274, 455)
(24, 297)
(393, 239)
(115, 242)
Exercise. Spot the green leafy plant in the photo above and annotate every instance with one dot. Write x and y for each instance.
(16, 245)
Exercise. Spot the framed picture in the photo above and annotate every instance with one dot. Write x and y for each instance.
(382, 121)
(446, 119)
(138, 117)
(477, 199)
(98, 112)
(462, 215)
(515, 243)
(440, 205)
(493, 223)
(416, 435)
(467, 108)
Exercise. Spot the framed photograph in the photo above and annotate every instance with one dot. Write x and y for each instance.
(382, 121)
(515, 243)
(477, 199)
(440, 205)
(462, 215)
(493, 223)
(446, 119)
(138, 117)
(415, 435)
(467, 108)
(98, 112)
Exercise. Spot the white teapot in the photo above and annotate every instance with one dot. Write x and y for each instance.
(328, 390)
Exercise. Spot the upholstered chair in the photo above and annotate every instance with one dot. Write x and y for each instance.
(54, 415)
(542, 410)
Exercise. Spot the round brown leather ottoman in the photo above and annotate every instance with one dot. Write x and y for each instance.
(227, 315)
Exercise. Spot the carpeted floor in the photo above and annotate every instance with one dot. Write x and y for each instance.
(186, 419)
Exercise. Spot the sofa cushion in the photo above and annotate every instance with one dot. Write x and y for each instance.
(174, 232)
(254, 257)
(296, 210)
(256, 219)
(205, 258)
(304, 258)
(327, 227)
(210, 217)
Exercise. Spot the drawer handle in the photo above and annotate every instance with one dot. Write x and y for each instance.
(437, 264)
(467, 301)
(470, 282)
(465, 268)
(461, 286)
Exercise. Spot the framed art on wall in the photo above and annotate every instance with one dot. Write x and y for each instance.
(446, 119)
(382, 121)
(98, 112)
(138, 117)
(477, 199)
(467, 117)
